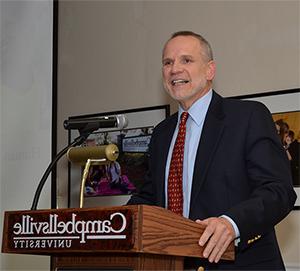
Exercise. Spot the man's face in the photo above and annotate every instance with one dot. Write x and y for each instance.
(187, 74)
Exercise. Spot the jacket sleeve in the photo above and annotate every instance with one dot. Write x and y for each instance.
(269, 173)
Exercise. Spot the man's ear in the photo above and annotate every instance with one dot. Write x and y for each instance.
(211, 70)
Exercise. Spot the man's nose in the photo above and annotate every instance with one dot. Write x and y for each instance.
(176, 67)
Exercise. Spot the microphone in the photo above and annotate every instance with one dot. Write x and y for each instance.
(92, 124)
(85, 127)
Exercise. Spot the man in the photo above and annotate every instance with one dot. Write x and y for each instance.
(235, 177)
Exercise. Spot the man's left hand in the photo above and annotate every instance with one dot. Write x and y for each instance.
(217, 236)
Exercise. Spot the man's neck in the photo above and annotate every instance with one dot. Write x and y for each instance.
(186, 105)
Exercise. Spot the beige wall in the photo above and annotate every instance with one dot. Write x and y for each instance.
(109, 59)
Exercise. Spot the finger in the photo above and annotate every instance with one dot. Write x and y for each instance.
(202, 222)
(220, 241)
(222, 250)
(216, 240)
(208, 232)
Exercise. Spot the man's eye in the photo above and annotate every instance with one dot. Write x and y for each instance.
(165, 63)
(187, 60)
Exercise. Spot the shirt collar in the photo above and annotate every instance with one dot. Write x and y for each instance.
(198, 110)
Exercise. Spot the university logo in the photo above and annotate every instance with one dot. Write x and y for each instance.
(71, 230)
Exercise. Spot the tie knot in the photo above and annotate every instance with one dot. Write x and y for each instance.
(184, 116)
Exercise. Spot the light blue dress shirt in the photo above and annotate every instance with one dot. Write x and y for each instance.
(194, 125)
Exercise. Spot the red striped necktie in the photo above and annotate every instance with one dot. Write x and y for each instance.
(175, 194)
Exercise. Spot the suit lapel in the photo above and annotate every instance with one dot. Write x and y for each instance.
(165, 140)
(211, 134)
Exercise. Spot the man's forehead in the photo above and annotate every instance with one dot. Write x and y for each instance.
(183, 45)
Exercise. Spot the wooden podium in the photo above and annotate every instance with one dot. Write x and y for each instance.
(136, 237)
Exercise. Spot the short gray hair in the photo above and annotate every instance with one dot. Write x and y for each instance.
(203, 42)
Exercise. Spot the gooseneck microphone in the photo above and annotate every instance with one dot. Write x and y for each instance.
(88, 124)
(85, 128)
(77, 141)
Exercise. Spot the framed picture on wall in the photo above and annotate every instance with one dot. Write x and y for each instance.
(285, 108)
(125, 175)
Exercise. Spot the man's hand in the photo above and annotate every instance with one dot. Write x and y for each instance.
(218, 234)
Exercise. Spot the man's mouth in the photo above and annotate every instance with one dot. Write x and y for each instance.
(179, 82)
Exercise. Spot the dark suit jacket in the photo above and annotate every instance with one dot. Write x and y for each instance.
(241, 170)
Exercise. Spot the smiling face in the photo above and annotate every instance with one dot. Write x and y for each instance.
(187, 72)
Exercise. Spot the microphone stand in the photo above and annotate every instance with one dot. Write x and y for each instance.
(77, 141)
